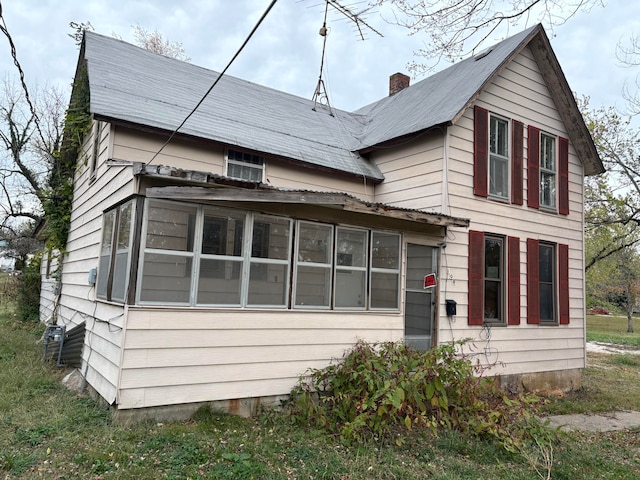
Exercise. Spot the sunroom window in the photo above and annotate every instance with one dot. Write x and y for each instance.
(351, 268)
(115, 250)
(217, 256)
(385, 270)
(314, 247)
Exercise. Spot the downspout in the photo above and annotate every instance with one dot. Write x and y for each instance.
(584, 284)
(445, 173)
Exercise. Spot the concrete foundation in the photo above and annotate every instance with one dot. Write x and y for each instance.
(560, 380)
(244, 407)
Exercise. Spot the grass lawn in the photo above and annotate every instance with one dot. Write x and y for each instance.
(48, 432)
(612, 329)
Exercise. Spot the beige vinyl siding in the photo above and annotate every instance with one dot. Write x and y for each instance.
(135, 146)
(104, 322)
(175, 355)
(413, 173)
(518, 93)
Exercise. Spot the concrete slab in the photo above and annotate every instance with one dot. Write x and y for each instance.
(602, 422)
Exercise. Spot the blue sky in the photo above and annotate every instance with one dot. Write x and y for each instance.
(285, 52)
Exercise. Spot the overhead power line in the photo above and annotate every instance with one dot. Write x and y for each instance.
(264, 15)
(14, 55)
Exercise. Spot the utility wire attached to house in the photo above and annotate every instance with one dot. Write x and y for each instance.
(264, 15)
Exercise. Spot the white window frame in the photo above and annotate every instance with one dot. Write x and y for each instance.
(501, 281)
(113, 252)
(496, 156)
(196, 255)
(315, 265)
(553, 283)
(550, 173)
(233, 157)
(391, 271)
(287, 262)
(352, 268)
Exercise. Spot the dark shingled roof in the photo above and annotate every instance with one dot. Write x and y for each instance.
(133, 85)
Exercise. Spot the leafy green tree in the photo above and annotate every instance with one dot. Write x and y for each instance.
(612, 200)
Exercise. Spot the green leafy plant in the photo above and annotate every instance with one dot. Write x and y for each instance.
(376, 389)
(28, 291)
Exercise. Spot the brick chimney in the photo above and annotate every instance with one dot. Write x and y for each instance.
(398, 81)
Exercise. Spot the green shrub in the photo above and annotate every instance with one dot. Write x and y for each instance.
(376, 389)
(28, 295)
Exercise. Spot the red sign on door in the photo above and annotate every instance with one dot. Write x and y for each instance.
(430, 280)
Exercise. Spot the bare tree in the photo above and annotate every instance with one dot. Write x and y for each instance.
(456, 28)
(154, 42)
(629, 56)
(28, 141)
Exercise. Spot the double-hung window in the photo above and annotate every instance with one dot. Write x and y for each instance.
(351, 268)
(115, 252)
(314, 246)
(245, 166)
(494, 285)
(494, 279)
(548, 171)
(498, 157)
(547, 283)
(385, 270)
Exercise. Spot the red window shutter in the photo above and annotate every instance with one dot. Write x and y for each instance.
(533, 167)
(517, 143)
(513, 281)
(533, 281)
(563, 174)
(480, 151)
(563, 283)
(476, 278)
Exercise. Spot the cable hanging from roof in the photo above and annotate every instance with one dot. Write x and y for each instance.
(255, 28)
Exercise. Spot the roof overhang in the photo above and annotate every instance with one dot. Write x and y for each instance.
(340, 201)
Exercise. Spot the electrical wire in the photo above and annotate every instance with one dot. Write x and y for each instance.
(14, 55)
(264, 15)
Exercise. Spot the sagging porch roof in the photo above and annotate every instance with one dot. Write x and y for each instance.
(224, 189)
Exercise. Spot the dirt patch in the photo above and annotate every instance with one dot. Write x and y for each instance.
(601, 422)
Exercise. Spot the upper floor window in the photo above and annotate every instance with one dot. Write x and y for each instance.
(245, 166)
(498, 150)
(548, 171)
(498, 157)
(97, 137)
